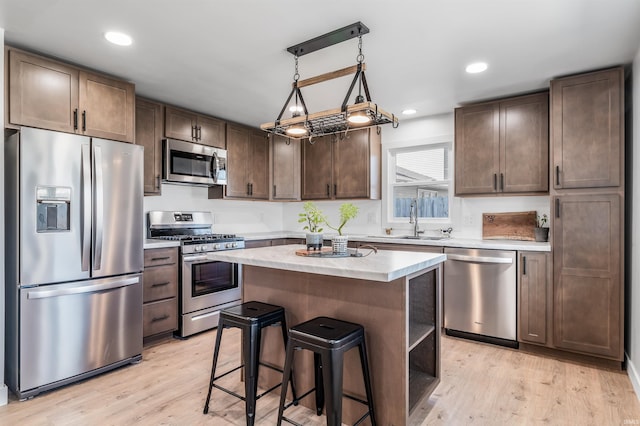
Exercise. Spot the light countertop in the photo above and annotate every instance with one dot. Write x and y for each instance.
(399, 239)
(154, 244)
(385, 266)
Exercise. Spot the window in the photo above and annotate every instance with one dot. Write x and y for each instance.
(422, 173)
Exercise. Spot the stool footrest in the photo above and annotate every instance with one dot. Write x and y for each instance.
(228, 372)
(291, 421)
(230, 392)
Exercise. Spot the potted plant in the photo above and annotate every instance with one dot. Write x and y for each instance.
(541, 233)
(313, 217)
(348, 211)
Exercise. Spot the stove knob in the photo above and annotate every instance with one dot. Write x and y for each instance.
(196, 248)
(216, 246)
(228, 245)
(234, 245)
(204, 248)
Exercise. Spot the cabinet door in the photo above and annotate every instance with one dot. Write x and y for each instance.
(179, 124)
(524, 144)
(237, 165)
(534, 298)
(351, 165)
(316, 168)
(477, 149)
(107, 107)
(42, 93)
(149, 134)
(587, 274)
(587, 114)
(258, 165)
(285, 165)
(211, 131)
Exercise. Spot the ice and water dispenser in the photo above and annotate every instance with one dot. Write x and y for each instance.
(53, 205)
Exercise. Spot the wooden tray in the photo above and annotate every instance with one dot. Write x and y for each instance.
(509, 226)
(305, 252)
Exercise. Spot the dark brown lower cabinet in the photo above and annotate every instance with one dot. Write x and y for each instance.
(587, 298)
(160, 291)
(535, 292)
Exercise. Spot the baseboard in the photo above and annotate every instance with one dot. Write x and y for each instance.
(634, 376)
(4, 395)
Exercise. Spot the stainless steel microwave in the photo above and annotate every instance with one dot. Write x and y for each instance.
(193, 164)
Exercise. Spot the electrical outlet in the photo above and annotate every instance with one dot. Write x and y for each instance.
(371, 218)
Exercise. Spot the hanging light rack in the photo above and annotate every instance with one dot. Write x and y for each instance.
(361, 114)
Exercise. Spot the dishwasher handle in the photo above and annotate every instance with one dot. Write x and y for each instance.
(479, 259)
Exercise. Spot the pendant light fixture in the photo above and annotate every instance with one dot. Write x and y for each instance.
(362, 113)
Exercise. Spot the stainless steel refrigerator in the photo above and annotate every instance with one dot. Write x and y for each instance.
(74, 257)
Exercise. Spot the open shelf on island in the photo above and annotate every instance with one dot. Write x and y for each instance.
(418, 332)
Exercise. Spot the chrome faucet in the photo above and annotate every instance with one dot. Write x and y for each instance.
(413, 217)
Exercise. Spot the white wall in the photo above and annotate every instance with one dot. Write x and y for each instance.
(3, 388)
(632, 292)
(230, 216)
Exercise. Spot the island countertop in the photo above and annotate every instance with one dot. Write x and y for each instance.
(384, 266)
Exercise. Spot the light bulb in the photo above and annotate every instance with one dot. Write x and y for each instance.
(359, 117)
(296, 130)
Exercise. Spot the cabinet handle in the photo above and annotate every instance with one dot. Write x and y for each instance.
(251, 189)
(160, 284)
(199, 137)
(75, 119)
(328, 190)
(153, 259)
(524, 265)
(557, 175)
(501, 181)
(335, 189)
(274, 190)
(248, 188)
(558, 208)
(158, 182)
(193, 132)
(84, 120)
(495, 182)
(162, 318)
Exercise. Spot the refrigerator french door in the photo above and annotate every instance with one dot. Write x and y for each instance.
(74, 231)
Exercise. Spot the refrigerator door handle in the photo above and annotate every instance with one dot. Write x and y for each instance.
(43, 292)
(98, 207)
(85, 225)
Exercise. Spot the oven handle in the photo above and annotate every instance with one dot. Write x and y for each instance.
(190, 259)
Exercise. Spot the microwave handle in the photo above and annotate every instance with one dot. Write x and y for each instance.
(213, 167)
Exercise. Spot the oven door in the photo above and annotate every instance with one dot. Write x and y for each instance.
(207, 283)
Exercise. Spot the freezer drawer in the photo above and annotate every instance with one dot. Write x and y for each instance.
(70, 329)
(480, 292)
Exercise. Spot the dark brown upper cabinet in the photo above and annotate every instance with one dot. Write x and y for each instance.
(192, 127)
(285, 168)
(149, 125)
(52, 95)
(342, 167)
(587, 129)
(503, 146)
(247, 163)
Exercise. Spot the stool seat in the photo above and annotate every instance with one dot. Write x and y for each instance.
(328, 339)
(328, 332)
(262, 314)
(251, 317)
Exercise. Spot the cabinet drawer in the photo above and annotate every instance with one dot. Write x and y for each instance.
(159, 317)
(161, 256)
(160, 282)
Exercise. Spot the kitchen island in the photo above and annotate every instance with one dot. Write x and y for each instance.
(395, 295)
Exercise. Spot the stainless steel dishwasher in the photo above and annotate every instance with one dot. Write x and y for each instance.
(480, 295)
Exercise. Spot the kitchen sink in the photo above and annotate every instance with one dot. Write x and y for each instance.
(408, 237)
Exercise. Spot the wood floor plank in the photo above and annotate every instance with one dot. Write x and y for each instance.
(481, 385)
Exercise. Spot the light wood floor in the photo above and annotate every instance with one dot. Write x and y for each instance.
(481, 385)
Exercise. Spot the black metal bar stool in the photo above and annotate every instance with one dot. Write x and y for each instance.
(251, 318)
(329, 339)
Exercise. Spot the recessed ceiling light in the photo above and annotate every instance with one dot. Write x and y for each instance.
(476, 67)
(121, 39)
(409, 111)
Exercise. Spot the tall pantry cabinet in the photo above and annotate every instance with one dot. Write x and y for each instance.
(587, 209)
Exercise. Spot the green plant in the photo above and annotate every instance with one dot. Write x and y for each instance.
(347, 212)
(542, 220)
(313, 216)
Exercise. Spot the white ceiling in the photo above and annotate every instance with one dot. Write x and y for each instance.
(228, 58)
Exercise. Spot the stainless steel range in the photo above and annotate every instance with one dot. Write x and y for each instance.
(206, 286)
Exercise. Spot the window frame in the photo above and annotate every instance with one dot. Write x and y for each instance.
(389, 220)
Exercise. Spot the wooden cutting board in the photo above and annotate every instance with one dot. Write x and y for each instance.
(509, 226)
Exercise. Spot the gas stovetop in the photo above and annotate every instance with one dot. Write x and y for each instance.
(192, 229)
